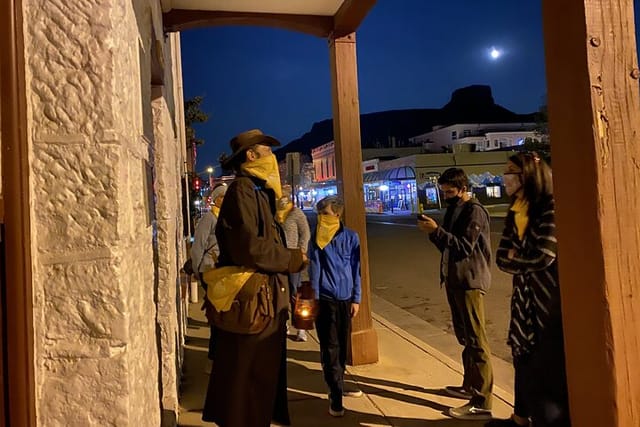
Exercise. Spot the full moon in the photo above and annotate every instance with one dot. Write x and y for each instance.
(494, 53)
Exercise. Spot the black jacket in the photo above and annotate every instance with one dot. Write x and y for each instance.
(469, 243)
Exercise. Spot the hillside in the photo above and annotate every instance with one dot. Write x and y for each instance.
(471, 104)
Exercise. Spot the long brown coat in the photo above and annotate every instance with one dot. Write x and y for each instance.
(248, 385)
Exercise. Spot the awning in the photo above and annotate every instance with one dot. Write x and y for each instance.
(395, 174)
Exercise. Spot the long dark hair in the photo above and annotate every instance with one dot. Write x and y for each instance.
(537, 183)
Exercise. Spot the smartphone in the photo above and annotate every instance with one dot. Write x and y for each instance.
(421, 217)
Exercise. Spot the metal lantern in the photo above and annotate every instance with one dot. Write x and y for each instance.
(304, 311)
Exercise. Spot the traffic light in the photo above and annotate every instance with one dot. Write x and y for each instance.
(196, 183)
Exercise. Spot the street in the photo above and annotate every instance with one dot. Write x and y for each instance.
(404, 268)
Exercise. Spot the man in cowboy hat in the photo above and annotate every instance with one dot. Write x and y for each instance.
(248, 386)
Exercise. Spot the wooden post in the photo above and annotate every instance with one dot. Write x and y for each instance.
(592, 75)
(346, 131)
(18, 298)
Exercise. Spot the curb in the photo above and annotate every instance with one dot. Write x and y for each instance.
(498, 391)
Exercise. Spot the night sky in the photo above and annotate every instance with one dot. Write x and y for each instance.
(411, 54)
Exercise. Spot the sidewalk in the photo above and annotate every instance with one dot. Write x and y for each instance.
(402, 389)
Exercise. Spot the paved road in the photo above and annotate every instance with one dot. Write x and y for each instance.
(404, 271)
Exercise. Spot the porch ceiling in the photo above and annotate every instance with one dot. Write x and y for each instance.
(289, 7)
(321, 18)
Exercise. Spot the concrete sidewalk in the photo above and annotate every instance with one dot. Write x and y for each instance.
(403, 389)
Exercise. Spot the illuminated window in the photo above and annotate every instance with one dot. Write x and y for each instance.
(494, 191)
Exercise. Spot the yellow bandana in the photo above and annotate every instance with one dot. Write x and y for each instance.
(283, 213)
(265, 168)
(521, 209)
(328, 226)
(215, 210)
(224, 283)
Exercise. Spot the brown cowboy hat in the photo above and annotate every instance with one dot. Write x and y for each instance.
(242, 142)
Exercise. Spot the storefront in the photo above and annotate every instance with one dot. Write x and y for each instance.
(391, 190)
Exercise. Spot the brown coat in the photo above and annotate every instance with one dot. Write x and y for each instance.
(248, 386)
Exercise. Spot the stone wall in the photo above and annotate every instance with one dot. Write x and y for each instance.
(106, 218)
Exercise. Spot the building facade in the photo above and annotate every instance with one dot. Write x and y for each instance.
(106, 150)
(485, 136)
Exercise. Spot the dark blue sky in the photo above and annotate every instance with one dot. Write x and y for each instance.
(411, 54)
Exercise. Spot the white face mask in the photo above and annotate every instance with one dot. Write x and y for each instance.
(512, 183)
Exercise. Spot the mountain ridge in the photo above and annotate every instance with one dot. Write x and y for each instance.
(380, 129)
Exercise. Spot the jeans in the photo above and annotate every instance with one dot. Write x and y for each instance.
(333, 325)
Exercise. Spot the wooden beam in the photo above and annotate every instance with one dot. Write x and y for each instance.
(346, 131)
(18, 309)
(182, 19)
(593, 96)
(350, 15)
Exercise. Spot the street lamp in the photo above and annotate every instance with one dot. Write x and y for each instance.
(210, 171)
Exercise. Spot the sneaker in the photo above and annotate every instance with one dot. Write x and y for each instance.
(335, 412)
(288, 329)
(457, 391)
(470, 412)
(302, 335)
(352, 393)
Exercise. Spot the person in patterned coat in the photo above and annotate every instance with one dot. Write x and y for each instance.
(528, 251)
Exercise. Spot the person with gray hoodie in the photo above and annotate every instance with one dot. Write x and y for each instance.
(204, 251)
(465, 270)
(297, 234)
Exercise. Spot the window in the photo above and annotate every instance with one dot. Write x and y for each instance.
(494, 191)
(454, 134)
(466, 132)
(495, 143)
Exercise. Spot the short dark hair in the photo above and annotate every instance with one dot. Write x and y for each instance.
(336, 203)
(454, 177)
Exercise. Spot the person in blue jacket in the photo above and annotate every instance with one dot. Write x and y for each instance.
(334, 272)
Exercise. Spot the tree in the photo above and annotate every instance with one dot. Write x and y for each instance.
(193, 114)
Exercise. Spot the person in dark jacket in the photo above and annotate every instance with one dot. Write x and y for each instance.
(248, 385)
(334, 272)
(465, 272)
(528, 250)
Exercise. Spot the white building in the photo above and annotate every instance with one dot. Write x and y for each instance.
(485, 136)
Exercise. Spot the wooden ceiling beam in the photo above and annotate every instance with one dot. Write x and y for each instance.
(183, 19)
(349, 16)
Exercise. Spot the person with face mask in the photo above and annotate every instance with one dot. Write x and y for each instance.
(528, 251)
(248, 384)
(464, 241)
(334, 272)
(297, 233)
(204, 251)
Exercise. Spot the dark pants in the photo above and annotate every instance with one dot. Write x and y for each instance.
(212, 331)
(541, 383)
(467, 313)
(295, 280)
(333, 325)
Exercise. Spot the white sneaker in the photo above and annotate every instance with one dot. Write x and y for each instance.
(470, 412)
(302, 335)
(352, 393)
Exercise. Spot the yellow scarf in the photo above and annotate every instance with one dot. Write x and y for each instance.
(328, 226)
(215, 210)
(224, 283)
(521, 209)
(265, 168)
(283, 213)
